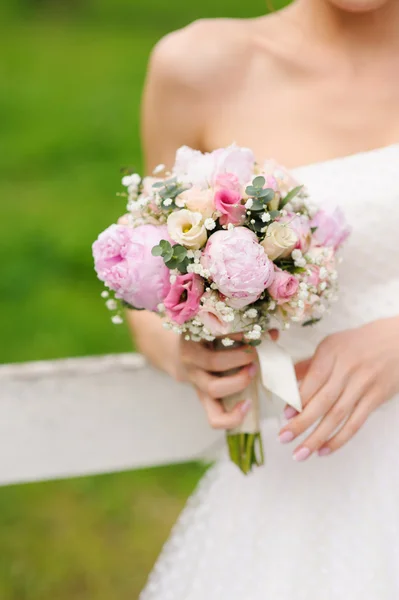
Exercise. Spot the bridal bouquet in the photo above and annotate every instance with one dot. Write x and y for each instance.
(222, 245)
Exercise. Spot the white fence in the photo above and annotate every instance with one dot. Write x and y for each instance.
(90, 415)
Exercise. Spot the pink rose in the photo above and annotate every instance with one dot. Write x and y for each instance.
(183, 299)
(123, 260)
(331, 229)
(228, 181)
(238, 265)
(301, 226)
(211, 318)
(283, 287)
(228, 202)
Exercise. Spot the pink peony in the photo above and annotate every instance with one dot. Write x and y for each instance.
(123, 260)
(331, 229)
(202, 169)
(301, 226)
(183, 300)
(228, 202)
(238, 265)
(283, 287)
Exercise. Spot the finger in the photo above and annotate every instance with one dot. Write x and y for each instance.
(319, 405)
(218, 417)
(356, 420)
(337, 415)
(321, 366)
(218, 361)
(219, 387)
(274, 334)
(301, 369)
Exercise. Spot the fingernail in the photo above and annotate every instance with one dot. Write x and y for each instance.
(324, 451)
(286, 437)
(301, 454)
(252, 370)
(290, 412)
(245, 406)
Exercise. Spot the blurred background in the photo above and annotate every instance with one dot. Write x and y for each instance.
(71, 75)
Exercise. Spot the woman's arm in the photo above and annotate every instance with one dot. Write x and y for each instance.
(174, 115)
(169, 120)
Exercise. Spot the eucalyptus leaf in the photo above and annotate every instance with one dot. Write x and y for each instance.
(179, 252)
(168, 255)
(172, 263)
(257, 206)
(158, 184)
(157, 251)
(266, 195)
(259, 182)
(251, 190)
(182, 266)
(165, 245)
(258, 226)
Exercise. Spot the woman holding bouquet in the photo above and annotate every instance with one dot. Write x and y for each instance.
(316, 85)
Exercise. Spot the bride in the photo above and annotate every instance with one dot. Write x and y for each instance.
(316, 86)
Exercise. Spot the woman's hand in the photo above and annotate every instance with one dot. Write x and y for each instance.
(203, 366)
(350, 375)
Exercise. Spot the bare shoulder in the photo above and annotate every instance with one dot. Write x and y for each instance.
(214, 50)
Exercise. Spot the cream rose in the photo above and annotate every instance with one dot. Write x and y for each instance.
(198, 200)
(280, 240)
(187, 228)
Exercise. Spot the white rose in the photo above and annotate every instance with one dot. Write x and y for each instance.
(198, 200)
(280, 240)
(187, 228)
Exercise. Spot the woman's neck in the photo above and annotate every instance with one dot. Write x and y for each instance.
(375, 30)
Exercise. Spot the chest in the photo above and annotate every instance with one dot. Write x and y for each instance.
(300, 122)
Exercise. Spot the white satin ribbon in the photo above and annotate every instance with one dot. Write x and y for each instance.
(277, 373)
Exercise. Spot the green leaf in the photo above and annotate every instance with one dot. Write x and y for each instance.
(310, 322)
(259, 182)
(274, 214)
(291, 195)
(254, 342)
(313, 229)
(158, 184)
(251, 190)
(257, 206)
(165, 245)
(157, 251)
(182, 266)
(179, 252)
(168, 255)
(267, 195)
(172, 263)
(129, 306)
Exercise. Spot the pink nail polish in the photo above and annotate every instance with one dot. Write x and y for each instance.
(252, 370)
(286, 437)
(245, 406)
(290, 412)
(324, 451)
(301, 454)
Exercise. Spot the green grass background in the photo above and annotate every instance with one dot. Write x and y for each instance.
(71, 74)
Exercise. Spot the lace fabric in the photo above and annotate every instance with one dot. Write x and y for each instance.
(327, 529)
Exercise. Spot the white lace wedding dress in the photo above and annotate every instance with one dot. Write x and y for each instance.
(327, 529)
